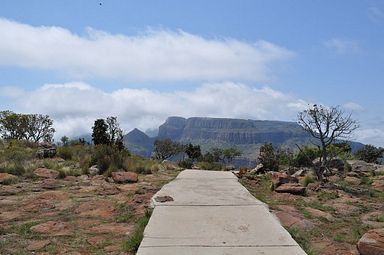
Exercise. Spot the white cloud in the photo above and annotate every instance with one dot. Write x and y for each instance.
(373, 136)
(11, 91)
(74, 106)
(342, 46)
(154, 55)
(352, 106)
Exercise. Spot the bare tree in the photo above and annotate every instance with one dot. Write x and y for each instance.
(326, 125)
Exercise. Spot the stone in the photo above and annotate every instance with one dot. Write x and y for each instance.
(50, 184)
(163, 199)
(111, 228)
(293, 220)
(46, 173)
(372, 242)
(257, 169)
(96, 240)
(36, 245)
(123, 177)
(46, 150)
(292, 188)
(53, 228)
(7, 178)
(337, 164)
(96, 208)
(94, 170)
(378, 183)
(9, 216)
(320, 214)
(352, 180)
(282, 178)
(361, 166)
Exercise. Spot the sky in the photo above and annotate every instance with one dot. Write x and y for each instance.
(142, 61)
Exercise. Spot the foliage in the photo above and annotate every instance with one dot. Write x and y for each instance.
(268, 157)
(99, 132)
(326, 124)
(186, 164)
(307, 180)
(166, 148)
(305, 156)
(108, 156)
(65, 152)
(30, 127)
(135, 238)
(370, 153)
(301, 237)
(285, 157)
(210, 165)
(214, 155)
(230, 153)
(193, 151)
(64, 140)
(341, 150)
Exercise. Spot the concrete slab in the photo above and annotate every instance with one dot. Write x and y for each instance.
(288, 250)
(214, 226)
(212, 213)
(205, 192)
(203, 174)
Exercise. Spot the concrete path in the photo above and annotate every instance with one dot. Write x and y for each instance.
(213, 214)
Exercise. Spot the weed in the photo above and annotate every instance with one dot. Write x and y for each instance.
(124, 213)
(24, 230)
(301, 237)
(307, 180)
(134, 240)
(325, 195)
(365, 180)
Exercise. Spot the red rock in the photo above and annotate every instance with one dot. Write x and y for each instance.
(8, 216)
(5, 177)
(282, 178)
(288, 220)
(37, 245)
(372, 242)
(96, 240)
(46, 173)
(53, 228)
(121, 177)
(108, 228)
(292, 188)
(320, 214)
(96, 208)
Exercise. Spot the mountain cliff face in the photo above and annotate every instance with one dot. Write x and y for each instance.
(233, 131)
(246, 135)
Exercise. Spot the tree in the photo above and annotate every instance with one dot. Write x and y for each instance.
(326, 125)
(230, 153)
(64, 140)
(268, 157)
(193, 151)
(31, 127)
(115, 133)
(166, 148)
(99, 132)
(370, 153)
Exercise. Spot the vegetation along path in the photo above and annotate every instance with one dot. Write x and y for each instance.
(210, 212)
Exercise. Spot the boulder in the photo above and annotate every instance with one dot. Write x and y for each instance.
(53, 228)
(7, 178)
(122, 177)
(35, 245)
(94, 170)
(46, 173)
(320, 214)
(372, 242)
(361, 166)
(257, 169)
(282, 178)
(46, 150)
(352, 180)
(337, 164)
(292, 188)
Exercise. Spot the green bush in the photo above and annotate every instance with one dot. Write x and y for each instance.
(15, 169)
(210, 166)
(307, 180)
(306, 156)
(105, 155)
(65, 152)
(187, 163)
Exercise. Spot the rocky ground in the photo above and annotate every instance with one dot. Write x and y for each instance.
(83, 214)
(342, 217)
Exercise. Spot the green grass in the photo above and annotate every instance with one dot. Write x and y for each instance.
(134, 239)
(326, 195)
(24, 230)
(124, 213)
(302, 238)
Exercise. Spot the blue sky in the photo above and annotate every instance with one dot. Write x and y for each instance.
(145, 60)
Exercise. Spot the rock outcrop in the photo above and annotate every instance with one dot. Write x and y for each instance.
(372, 242)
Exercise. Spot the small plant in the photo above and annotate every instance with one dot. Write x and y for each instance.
(124, 213)
(134, 240)
(65, 152)
(307, 180)
(301, 237)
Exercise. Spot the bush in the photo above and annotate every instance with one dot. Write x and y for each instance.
(106, 155)
(306, 156)
(16, 169)
(370, 154)
(65, 152)
(210, 166)
(186, 164)
(268, 158)
(307, 180)
(134, 239)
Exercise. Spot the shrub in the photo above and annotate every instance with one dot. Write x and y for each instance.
(106, 155)
(16, 169)
(268, 157)
(370, 153)
(305, 156)
(65, 152)
(187, 163)
(210, 166)
(307, 180)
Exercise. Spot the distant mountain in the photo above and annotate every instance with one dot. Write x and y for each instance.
(139, 143)
(246, 135)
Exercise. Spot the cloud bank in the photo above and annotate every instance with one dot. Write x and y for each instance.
(156, 55)
(74, 106)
